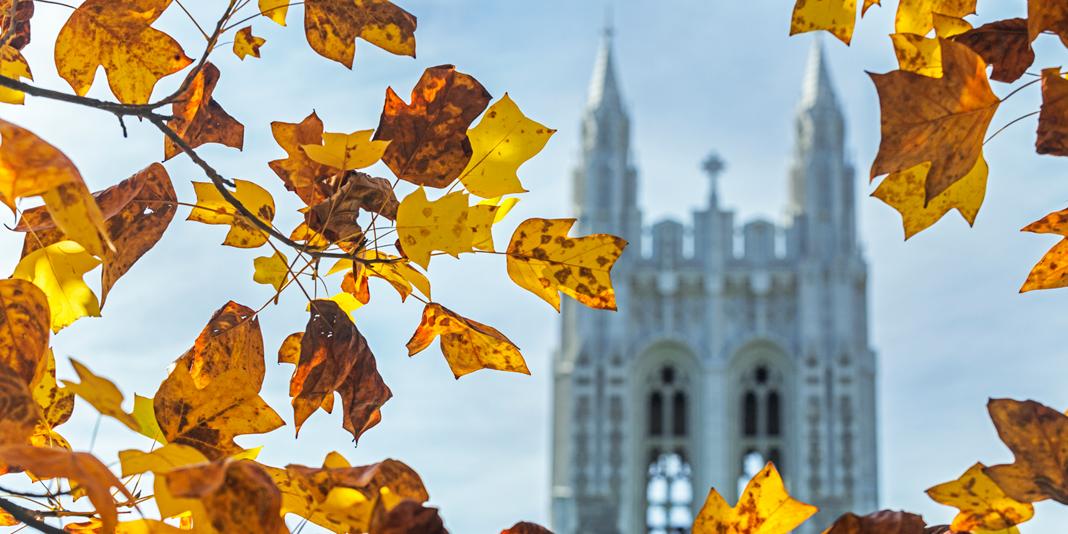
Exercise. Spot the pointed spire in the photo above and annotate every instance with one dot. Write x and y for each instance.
(817, 89)
(604, 87)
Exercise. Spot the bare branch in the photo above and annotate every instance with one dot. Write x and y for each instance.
(28, 517)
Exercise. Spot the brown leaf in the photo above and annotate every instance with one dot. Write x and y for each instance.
(230, 341)
(199, 119)
(1053, 117)
(81, 469)
(1003, 44)
(16, 30)
(881, 522)
(25, 321)
(468, 345)
(946, 127)
(235, 494)
(137, 211)
(19, 414)
(301, 174)
(334, 356)
(429, 144)
(332, 27)
(1038, 438)
(1047, 15)
(524, 527)
(408, 517)
(337, 217)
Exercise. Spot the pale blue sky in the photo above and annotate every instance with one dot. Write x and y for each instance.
(697, 75)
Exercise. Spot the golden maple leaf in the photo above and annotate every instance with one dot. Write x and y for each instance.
(425, 226)
(764, 508)
(502, 141)
(246, 44)
(904, 191)
(332, 27)
(212, 208)
(838, 17)
(58, 270)
(468, 345)
(983, 505)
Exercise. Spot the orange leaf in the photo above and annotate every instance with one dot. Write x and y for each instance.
(19, 414)
(19, 33)
(301, 174)
(1047, 15)
(524, 527)
(1038, 438)
(236, 494)
(407, 517)
(879, 522)
(199, 119)
(467, 345)
(946, 127)
(332, 27)
(230, 341)
(429, 144)
(1004, 44)
(1053, 117)
(25, 321)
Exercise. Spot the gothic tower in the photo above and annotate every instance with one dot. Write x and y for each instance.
(733, 346)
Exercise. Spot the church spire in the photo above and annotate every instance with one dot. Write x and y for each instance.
(817, 90)
(604, 86)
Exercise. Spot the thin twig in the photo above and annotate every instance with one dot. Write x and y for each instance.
(1020, 88)
(29, 517)
(1013, 121)
(192, 18)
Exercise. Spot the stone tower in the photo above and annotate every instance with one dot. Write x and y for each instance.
(733, 345)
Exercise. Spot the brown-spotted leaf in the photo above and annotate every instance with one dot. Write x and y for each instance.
(19, 414)
(543, 260)
(13, 65)
(231, 341)
(468, 345)
(29, 166)
(332, 27)
(199, 119)
(1038, 438)
(983, 505)
(118, 35)
(881, 522)
(246, 44)
(82, 470)
(1047, 15)
(137, 211)
(25, 321)
(1051, 272)
(838, 17)
(235, 494)
(407, 517)
(337, 217)
(16, 29)
(764, 508)
(428, 138)
(904, 191)
(334, 356)
(213, 208)
(208, 419)
(946, 127)
(1053, 116)
(526, 527)
(917, 16)
(56, 403)
(1004, 45)
(301, 174)
(1053, 223)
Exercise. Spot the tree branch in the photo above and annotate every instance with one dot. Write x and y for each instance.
(28, 517)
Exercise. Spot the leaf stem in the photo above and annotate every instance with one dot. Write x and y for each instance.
(1010, 123)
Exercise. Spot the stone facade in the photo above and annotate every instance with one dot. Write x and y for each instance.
(733, 345)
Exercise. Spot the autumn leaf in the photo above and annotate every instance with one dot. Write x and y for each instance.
(916, 16)
(246, 44)
(231, 341)
(355, 284)
(102, 394)
(946, 26)
(17, 28)
(543, 260)
(271, 270)
(1053, 117)
(301, 174)
(867, 5)
(482, 216)
(56, 404)
(13, 65)
(1004, 45)
(81, 469)
(428, 138)
(393, 269)
(502, 141)
(275, 10)
(199, 119)
(1038, 438)
(835, 16)
(764, 508)
(1047, 15)
(983, 505)
(30, 166)
(212, 208)
(468, 345)
(332, 27)
(1052, 270)
(879, 522)
(347, 152)
(406, 517)
(19, 414)
(136, 526)
(118, 35)
(311, 239)
(918, 54)
(337, 217)
(904, 191)
(524, 527)
(235, 494)
(165, 459)
(946, 127)
(57, 270)
(334, 356)
(137, 211)
(343, 498)
(425, 226)
(24, 324)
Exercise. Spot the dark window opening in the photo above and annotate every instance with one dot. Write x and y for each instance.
(678, 413)
(749, 414)
(761, 374)
(656, 414)
(773, 413)
(667, 374)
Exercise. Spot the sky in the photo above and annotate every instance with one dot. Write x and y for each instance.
(697, 76)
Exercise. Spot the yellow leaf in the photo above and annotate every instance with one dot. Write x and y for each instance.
(764, 508)
(347, 152)
(904, 192)
(483, 216)
(57, 270)
(145, 415)
(983, 505)
(467, 345)
(118, 35)
(14, 66)
(838, 17)
(246, 44)
(212, 208)
(867, 6)
(271, 270)
(502, 141)
(56, 403)
(275, 10)
(543, 260)
(102, 394)
(1051, 271)
(917, 16)
(946, 26)
(332, 27)
(396, 270)
(162, 460)
(426, 226)
(346, 301)
(916, 53)
(235, 494)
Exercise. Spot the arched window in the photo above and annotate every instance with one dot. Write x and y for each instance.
(760, 399)
(669, 483)
(749, 414)
(773, 413)
(678, 412)
(656, 414)
(669, 495)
